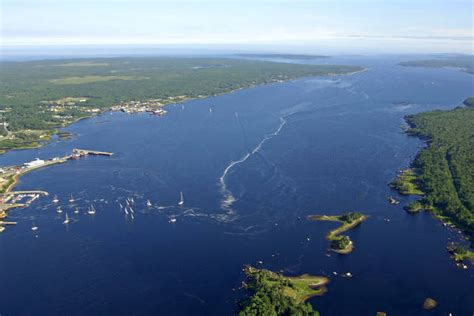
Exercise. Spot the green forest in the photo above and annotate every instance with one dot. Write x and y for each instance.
(445, 169)
(37, 97)
(273, 294)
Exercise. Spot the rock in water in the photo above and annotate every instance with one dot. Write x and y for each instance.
(429, 303)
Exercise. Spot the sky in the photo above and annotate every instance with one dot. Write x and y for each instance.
(345, 25)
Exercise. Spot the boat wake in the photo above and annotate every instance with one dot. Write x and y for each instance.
(228, 197)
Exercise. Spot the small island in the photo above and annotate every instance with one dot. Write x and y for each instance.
(341, 244)
(275, 294)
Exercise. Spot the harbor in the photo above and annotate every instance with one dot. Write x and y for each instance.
(10, 175)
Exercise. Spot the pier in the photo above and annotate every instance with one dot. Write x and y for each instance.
(86, 152)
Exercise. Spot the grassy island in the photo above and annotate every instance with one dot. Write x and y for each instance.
(275, 294)
(39, 97)
(341, 244)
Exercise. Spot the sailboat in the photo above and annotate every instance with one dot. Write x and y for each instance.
(59, 210)
(76, 211)
(67, 220)
(148, 203)
(55, 200)
(91, 210)
(181, 202)
(71, 199)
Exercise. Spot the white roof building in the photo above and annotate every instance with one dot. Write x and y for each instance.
(35, 163)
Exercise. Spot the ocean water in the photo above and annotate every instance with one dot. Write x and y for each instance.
(251, 165)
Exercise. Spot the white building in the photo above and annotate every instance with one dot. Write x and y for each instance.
(35, 163)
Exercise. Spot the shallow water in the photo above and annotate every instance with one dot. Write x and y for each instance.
(249, 163)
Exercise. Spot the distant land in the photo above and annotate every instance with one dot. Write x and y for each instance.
(464, 63)
(38, 97)
(286, 56)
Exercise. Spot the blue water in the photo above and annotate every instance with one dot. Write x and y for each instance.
(250, 164)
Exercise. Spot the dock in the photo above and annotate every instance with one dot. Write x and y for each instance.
(7, 223)
(86, 152)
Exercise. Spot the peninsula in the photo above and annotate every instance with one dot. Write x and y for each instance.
(37, 98)
(341, 244)
(444, 170)
(275, 294)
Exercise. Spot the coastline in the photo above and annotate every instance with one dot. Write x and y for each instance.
(14, 173)
(443, 188)
(49, 134)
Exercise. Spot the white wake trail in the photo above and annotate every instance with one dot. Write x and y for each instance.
(228, 197)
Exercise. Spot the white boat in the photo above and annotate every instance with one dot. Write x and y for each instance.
(34, 228)
(71, 199)
(131, 210)
(121, 206)
(55, 200)
(132, 217)
(67, 220)
(172, 220)
(148, 203)
(132, 200)
(181, 202)
(76, 211)
(59, 210)
(125, 210)
(91, 210)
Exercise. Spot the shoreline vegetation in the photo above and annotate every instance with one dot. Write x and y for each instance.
(37, 98)
(10, 176)
(444, 171)
(275, 294)
(341, 244)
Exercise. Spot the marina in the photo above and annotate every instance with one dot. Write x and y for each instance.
(10, 175)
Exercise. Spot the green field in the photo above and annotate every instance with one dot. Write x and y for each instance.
(91, 79)
(275, 294)
(31, 92)
(445, 169)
